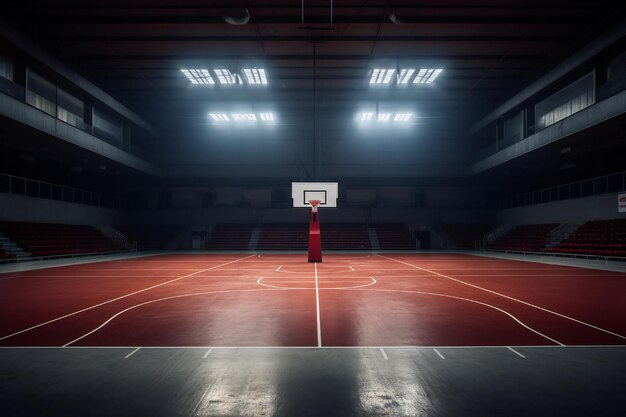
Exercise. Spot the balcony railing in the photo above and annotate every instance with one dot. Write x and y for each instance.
(605, 184)
(32, 188)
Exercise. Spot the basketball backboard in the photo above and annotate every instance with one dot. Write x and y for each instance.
(325, 192)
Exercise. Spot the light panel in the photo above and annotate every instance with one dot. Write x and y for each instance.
(267, 117)
(244, 117)
(255, 76)
(382, 75)
(224, 76)
(198, 76)
(402, 117)
(364, 116)
(219, 117)
(383, 117)
(427, 76)
(405, 75)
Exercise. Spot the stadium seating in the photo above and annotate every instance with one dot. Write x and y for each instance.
(526, 238)
(42, 239)
(465, 235)
(284, 236)
(346, 236)
(230, 237)
(393, 236)
(150, 236)
(599, 237)
(349, 236)
(5, 256)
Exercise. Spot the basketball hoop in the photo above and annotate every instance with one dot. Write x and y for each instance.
(314, 204)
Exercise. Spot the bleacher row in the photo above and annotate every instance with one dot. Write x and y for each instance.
(285, 236)
(4, 255)
(595, 238)
(41, 239)
(605, 238)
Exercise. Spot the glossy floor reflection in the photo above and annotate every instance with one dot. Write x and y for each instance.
(313, 382)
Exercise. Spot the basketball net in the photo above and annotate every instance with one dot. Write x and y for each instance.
(314, 204)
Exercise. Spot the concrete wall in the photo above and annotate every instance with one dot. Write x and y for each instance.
(597, 207)
(28, 209)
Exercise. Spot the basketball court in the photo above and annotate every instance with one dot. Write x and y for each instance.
(271, 208)
(254, 334)
(355, 300)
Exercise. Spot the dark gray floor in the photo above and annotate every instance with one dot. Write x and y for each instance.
(313, 382)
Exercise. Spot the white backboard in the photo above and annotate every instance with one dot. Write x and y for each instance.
(326, 192)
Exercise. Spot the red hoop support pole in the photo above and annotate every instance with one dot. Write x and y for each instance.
(315, 239)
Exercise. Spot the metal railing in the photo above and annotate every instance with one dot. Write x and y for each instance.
(39, 189)
(118, 237)
(592, 186)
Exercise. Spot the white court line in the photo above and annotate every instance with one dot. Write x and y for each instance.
(131, 353)
(207, 353)
(382, 351)
(319, 334)
(508, 297)
(515, 351)
(317, 309)
(439, 354)
(119, 298)
(119, 313)
(260, 282)
(521, 323)
(396, 347)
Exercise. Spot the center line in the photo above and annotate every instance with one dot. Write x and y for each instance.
(317, 307)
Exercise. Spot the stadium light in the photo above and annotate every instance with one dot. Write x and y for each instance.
(364, 116)
(402, 117)
(382, 75)
(405, 75)
(383, 117)
(267, 117)
(255, 76)
(427, 76)
(219, 117)
(198, 76)
(224, 76)
(244, 117)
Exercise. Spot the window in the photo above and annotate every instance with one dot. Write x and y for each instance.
(107, 128)
(575, 97)
(41, 93)
(512, 130)
(70, 109)
(6, 66)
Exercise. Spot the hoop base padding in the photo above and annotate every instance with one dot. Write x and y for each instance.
(315, 239)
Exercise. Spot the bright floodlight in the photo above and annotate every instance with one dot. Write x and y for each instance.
(198, 76)
(382, 76)
(364, 116)
(402, 117)
(405, 75)
(224, 76)
(267, 117)
(244, 117)
(384, 116)
(219, 117)
(255, 76)
(426, 76)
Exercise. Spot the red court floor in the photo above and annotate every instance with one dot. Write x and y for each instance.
(282, 300)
